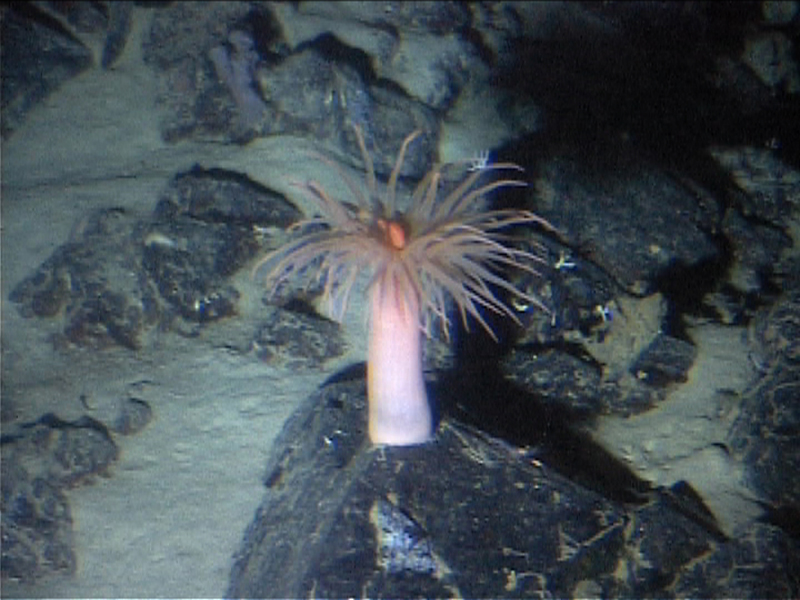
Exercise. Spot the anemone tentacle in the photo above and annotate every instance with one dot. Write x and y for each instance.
(439, 250)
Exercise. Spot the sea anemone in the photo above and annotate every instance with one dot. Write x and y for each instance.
(438, 248)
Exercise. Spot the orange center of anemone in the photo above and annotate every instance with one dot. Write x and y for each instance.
(394, 232)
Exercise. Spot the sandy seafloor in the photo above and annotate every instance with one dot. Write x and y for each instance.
(169, 518)
(173, 511)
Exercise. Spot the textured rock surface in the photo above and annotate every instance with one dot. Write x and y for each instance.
(470, 515)
(120, 277)
(654, 137)
(40, 461)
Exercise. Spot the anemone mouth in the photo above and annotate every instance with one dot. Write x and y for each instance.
(395, 232)
(446, 248)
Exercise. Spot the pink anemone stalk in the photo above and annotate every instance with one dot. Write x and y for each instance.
(438, 248)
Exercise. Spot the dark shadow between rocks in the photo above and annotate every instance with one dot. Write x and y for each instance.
(477, 393)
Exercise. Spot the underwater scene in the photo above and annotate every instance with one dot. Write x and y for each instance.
(400, 299)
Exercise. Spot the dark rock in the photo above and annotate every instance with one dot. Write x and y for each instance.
(584, 358)
(763, 563)
(228, 73)
(303, 93)
(184, 268)
(394, 117)
(685, 555)
(461, 515)
(119, 28)
(118, 277)
(435, 17)
(186, 29)
(768, 187)
(109, 22)
(39, 460)
(317, 93)
(39, 54)
(204, 230)
(84, 452)
(665, 360)
(573, 289)
(473, 516)
(756, 249)
(775, 330)
(66, 453)
(765, 433)
(224, 197)
(48, 43)
(296, 341)
(627, 217)
(36, 526)
(133, 416)
(557, 376)
(177, 46)
(566, 376)
(94, 284)
(665, 543)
